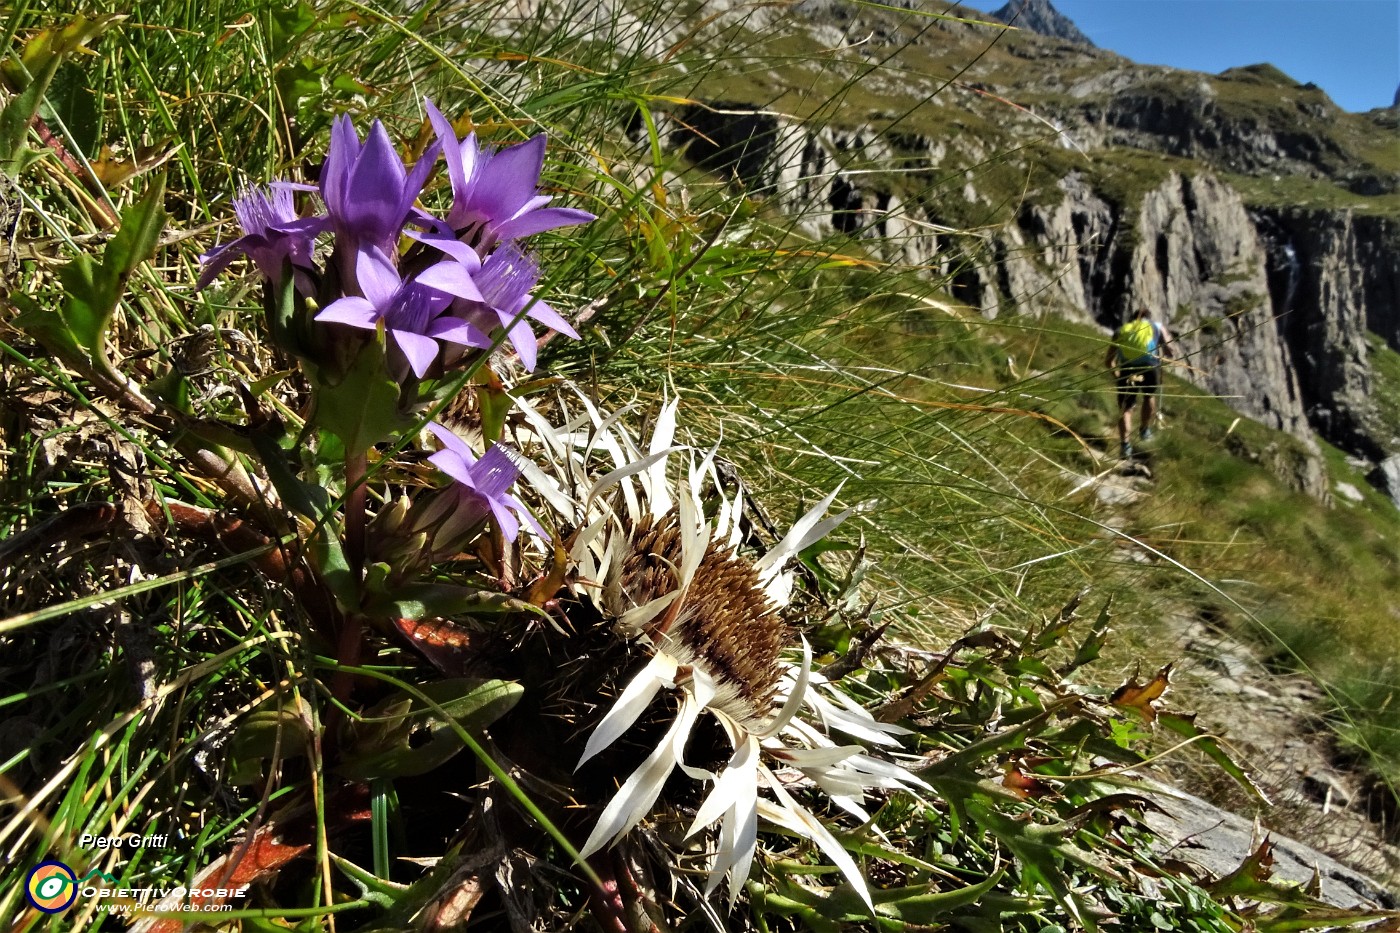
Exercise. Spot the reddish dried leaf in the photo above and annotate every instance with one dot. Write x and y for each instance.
(264, 855)
(1140, 697)
(444, 643)
(1022, 784)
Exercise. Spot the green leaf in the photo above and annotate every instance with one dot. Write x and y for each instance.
(299, 82)
(329, 556)
(363, 409)
(139, 235)
(1184, 725)
(410, 738)
(92, 290)
(284, 732)
(19, 113)
(90, 297)
(423, 600)
(288, 25)
(45, 326)
(281, 305)
(309, 499)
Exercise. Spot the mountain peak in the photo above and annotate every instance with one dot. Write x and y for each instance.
(1040, 16)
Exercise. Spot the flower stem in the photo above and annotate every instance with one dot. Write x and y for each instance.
(355, 494)
(352, 626)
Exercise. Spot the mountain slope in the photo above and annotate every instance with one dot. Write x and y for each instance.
(1246, 209)
(1041, 17)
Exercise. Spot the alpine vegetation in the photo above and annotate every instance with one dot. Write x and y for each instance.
(673, 577)
(382, 304)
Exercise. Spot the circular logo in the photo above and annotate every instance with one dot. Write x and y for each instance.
(51, 887)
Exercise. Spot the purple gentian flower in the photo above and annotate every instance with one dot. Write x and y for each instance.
(272, 234)
(505, 281)
(495, 193)
(367, 190)
(481, 489)
(414, 312)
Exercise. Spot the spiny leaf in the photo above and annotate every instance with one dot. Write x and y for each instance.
(1185, 725)
(1093, 643)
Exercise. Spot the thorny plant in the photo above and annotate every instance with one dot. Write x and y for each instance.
(593, 614)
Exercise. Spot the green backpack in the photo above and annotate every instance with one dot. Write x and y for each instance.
(1137, 343)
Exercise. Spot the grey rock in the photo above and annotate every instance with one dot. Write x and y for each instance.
(1040, 16)
(1217, 842)
(1386, 477)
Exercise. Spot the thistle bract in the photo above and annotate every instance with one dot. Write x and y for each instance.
(665, 573)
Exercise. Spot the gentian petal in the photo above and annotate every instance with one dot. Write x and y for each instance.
(452, 246)
(375, 188)
(523, 339)
(451, 148)
(420, 350)
(508, 523)
(335, 170)
(454, 444)
(550, 318)
(538, 221)
(353, 310)
(510, 179)
(454, 465)
(452, 278)
(217, 260)
(526, 518)
(455, 330)
(379, 280)
(413, 185)
(303, 226)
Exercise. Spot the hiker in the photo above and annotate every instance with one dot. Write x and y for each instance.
(1136, 357)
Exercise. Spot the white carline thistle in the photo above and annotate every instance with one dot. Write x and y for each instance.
(710, 616)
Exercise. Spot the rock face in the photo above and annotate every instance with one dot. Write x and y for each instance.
(1187, 248)
(1039, 16)
(1138, 185)
(1334, 276)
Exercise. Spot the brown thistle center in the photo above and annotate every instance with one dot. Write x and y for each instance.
(726, 621)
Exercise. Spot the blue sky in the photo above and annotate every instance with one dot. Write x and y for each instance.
(1350, 48)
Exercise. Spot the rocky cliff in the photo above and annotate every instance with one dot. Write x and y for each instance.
(1249, 212)
(1040, 17)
